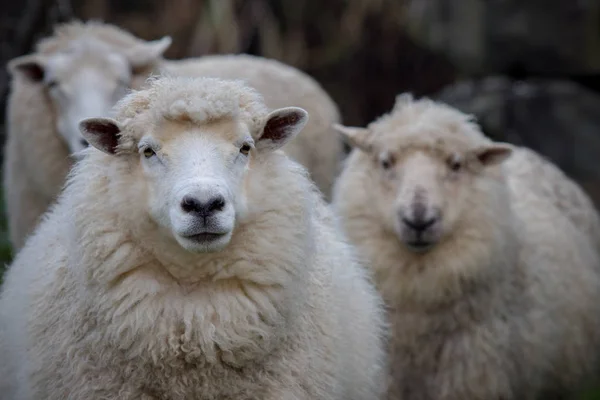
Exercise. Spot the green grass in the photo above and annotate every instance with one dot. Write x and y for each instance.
(6, 256)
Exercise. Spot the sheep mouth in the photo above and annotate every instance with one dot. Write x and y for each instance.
(420, 245)
(205, 237)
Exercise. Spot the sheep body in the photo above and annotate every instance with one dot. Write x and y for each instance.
(553, 184)
(101, 304)
(37, 158)
(505, 307)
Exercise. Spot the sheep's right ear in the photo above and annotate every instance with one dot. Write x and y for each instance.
(102, 133)
(355, 137)
(31, 67)
(281, 126)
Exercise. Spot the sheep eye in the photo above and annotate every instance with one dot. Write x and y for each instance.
(148, 152)
(386, 162)
(454, 164)
(245, 149)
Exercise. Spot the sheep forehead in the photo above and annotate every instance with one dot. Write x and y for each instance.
(427, 115)
(87, 56)
(196, 101)
(65, 34)
(225, 130)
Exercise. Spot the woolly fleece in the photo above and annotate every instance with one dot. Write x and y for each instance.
(99, 304)
(505, 306)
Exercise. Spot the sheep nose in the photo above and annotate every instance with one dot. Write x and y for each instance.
(191, 204)
(419, 224)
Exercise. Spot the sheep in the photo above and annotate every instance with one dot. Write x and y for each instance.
(83, 69)
(493, 292)
(189, 258)
(78, 72)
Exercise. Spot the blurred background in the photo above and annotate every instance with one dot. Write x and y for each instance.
(528, 69)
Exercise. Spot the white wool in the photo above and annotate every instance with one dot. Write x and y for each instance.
(507, 303)
(102, 303)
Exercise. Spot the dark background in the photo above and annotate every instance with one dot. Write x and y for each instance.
(529, 69)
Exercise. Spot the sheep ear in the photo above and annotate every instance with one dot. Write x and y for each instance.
(144, 54)
(102, 133)
(280, 127)
(402, 100)
(493, 154)
(30, 66)
(355, 137)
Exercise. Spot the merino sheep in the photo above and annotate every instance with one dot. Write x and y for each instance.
(493, 291)
(190, 259)
(83, 69)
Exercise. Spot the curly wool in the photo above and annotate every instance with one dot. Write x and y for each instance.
(88, 309)
(197, 101)
(508, 305)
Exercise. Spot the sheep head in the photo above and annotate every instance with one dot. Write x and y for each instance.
(429, 169)
(86, 79)
(191, 143)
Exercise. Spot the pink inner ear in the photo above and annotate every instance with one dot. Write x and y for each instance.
(493, 154)
(106, 135)
(276, 127)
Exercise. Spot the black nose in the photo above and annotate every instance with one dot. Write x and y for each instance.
(190, 204)
(84, 143)
(419, 224)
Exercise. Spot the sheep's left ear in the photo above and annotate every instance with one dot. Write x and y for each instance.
(30, 66)
(493, 154)
(280, 127)
(144, 54)
(102, 133)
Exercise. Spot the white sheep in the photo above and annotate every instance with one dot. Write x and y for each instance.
(80, 71)
(493, 291)
(190, 259)
(83, 69)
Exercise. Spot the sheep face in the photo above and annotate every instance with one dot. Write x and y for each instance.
(196, 180)
(85, 80)
(195, 174)
(425, 180)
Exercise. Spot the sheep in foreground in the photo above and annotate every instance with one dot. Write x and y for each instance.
(190, 259)
(83, 69)
(493, 292)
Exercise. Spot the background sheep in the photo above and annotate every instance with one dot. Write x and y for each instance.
(79, 72)
(84, 68)
(493, 292)
(190, 259)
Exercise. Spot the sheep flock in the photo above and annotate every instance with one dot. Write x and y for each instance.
(192, 229)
